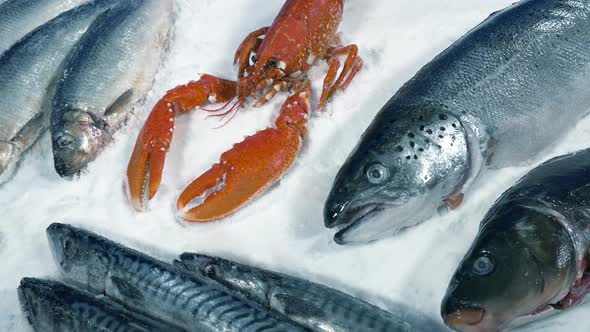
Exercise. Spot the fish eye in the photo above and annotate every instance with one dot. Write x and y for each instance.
(483, 266)
(65, 141)
(377, 173)
(253, 58)
(68, 246)
(272, 63)
(211, 270)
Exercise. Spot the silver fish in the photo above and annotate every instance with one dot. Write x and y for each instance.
(52, 306)
(109, 71)
(532, 252)
(499, 96)
(158, 289)
(27, 79)
(312, 305)
(19, 17)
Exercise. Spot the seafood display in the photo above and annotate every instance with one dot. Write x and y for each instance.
(155, 288)
(52, 306)
(19, 17)
(270, 60)
(312, 305)
(27, 80)
(485, 102)
(531, 254)
(108, 72)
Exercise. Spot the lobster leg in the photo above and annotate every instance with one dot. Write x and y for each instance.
(352, 66)
(144, 172)
(250, 166)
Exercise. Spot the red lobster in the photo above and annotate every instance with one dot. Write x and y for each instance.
(270, 60)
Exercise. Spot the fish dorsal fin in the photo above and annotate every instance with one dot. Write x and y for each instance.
(120, 105)
(292, 306)
(126, 289)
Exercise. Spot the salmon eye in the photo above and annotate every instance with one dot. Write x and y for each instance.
(483, 266)
(376, 173)
(253, 58)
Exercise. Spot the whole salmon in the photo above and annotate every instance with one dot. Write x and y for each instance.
(499, 96)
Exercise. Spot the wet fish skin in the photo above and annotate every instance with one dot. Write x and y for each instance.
(27, 80)
(485, 102)
(312, 305)
(110, 70)
(158, 289)
(53, 306)
(537, 234)
(20, 17)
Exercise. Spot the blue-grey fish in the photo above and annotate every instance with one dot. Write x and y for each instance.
(19, 17)
(109, 71)
(531, 254)
(499, 96)
(312, 305)
(155, 288)
(28, 73)
(52, 306)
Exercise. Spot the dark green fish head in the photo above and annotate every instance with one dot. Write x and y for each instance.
(77, 257)
(250, 282)
(77, 139)
(42, 302)
(404, 167)
(521, 262)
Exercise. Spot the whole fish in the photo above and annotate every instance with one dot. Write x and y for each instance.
(110, 70)
(312, 305)
(153, 287)
(19, 17)
(531, 254)
(53, 306)
(499, 96)
(27, 79)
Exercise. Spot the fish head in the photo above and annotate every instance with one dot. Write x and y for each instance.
(42, 303)
(77, 258)
(515, 270)
(9, 154)
(402, 170)
(77, 139)
(237, 277)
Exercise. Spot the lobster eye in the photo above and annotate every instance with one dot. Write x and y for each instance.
(377, 173)
(253, 58)
(483, 266)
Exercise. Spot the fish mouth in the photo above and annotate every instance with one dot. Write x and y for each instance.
(349, 217)
(26, 299)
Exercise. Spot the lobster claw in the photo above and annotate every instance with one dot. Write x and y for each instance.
(251, 166)
(144, 172)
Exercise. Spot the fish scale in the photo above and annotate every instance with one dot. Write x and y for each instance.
(52, 306)
(514, 84)
(158, 289)
(27, 76)
(312, 305)
(20, 17)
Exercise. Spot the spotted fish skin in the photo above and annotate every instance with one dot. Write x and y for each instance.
(19, 17)
(312, 305)
(53, 306)
(499, 96)
(155, 288)
(28, 73)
